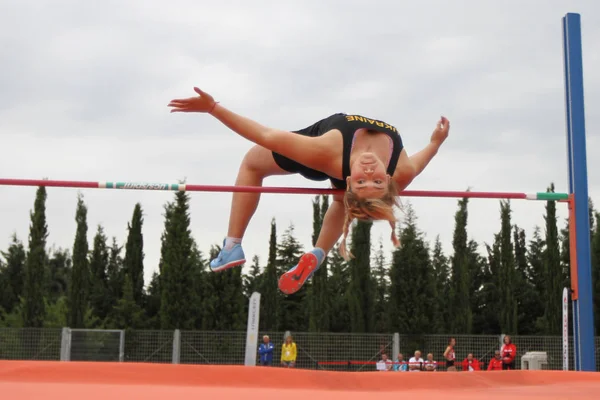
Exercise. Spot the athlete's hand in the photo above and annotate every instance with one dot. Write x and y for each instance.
(204, 102)
(440, 134)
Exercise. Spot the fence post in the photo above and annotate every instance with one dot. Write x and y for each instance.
(175, 358)
(65, 344)
(122, 346)
(395, 346)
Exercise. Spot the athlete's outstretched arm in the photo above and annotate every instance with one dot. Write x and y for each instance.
(305, 150)
(410, 167)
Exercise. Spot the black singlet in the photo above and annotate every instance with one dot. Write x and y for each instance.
(347, 124)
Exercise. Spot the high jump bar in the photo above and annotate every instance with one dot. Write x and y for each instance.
(544, 196)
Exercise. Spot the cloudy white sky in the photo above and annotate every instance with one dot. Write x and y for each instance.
(84, 88)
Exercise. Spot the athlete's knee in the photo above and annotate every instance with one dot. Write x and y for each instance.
(259, 162)
(253, 162)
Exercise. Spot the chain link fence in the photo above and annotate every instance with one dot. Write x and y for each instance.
(30, 344)
(92, 345)
(329, 351)
(201, 347)
(149, 346)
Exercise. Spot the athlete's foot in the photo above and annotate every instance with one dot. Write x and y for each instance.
(228, 258)
(294, 279)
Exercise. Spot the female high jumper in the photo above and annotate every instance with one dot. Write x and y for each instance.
(364, 156)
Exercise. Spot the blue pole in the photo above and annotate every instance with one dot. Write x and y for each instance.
(583, 312)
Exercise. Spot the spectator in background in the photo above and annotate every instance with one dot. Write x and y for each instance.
(288, 353)
(385, 364)
(496, 363)
(470, 364)
(265, 350)
(399, 364)
(415, 363)
(509, 352)
(449, 355)
(430, 364)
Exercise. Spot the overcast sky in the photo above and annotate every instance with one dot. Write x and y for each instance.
(84, 91)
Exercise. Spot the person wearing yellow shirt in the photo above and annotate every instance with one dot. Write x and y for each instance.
(288, 353)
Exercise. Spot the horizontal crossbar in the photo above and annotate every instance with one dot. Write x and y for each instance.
(266, 189)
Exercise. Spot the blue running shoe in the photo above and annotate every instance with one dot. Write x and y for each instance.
(228, 258)
(294, 279)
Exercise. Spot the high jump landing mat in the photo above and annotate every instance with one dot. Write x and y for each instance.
(54, 380)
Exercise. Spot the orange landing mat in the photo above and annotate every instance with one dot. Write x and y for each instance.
(112, 381)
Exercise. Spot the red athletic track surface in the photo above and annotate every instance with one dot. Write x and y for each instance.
(55, 380)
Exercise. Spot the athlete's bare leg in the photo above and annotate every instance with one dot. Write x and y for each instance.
(257, 165)
(333, 225)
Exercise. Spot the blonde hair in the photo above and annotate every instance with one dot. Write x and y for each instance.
(368, 210)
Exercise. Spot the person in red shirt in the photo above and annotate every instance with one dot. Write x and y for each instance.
(450, 356)
(496, 363)
(509, 352)
(470, 364)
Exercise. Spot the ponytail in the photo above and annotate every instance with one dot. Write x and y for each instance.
(344, 252)
(369, 210)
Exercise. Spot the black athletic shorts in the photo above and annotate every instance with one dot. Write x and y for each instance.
(294, 167)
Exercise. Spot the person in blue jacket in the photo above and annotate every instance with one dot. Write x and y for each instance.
(265, 351)
(400, 365)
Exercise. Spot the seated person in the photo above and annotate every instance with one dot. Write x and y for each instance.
(496, 363)
(415, 364)
(470, 364)
(400, 365)
(385, 364)
(430, 365)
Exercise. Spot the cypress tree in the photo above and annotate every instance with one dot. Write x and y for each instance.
(293, 314)
(13, 275)
(508, 305)
(59, 273)
(537, 279)
(337, 288)
(317, 287)
(489, 317)
(210, 303)
(228, 311)
(114, 274)
(252, 280)
(127, 314)
(33, 309)
(381, 277)
(202, 288)
(361, 291)
(477, 279)
(553, 271)
(178, 304)
(99, 299)
(441, 272)
(412, 281)
(270, 296)
(133, 264)
(152, 306)
(80, 275)
(525, 294)
(460, 299)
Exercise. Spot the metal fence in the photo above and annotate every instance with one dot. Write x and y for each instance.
(315, 350)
